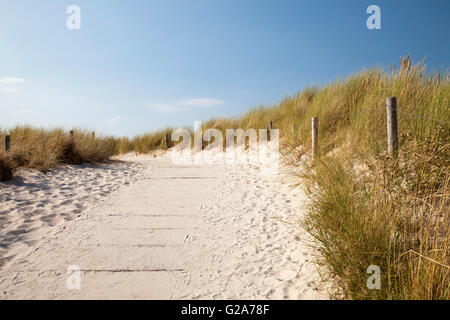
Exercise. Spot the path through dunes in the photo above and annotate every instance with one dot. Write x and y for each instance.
(166, 232)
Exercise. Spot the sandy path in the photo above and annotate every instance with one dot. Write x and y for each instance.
(150, 229)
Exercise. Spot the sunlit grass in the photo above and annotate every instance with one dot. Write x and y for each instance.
(45, 149)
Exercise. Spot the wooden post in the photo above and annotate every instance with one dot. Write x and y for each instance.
(392, 132)
(7, 143)
(315, 136)
(93, 134)
(166, 139)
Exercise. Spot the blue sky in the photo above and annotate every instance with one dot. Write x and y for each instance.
(136, 66)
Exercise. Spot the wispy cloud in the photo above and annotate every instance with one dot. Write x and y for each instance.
(7, 82)
(11, 80)
(185, 104)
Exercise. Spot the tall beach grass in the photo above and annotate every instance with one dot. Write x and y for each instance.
(45, 149)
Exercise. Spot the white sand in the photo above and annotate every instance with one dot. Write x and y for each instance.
(149, 229)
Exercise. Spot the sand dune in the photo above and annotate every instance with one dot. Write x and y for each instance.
(147, 228)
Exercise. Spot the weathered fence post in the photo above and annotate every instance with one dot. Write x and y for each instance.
(7, 143)
(392, 131)
(166, 139)
(315, 136)
(268, 131)
(93, 134)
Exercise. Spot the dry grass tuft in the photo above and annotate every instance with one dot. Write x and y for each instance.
(45, 149)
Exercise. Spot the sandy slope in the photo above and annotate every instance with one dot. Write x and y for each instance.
(147, 228)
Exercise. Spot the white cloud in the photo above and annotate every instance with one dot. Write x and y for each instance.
(185, 104)
(6, 82)
(11, 80)
(115, 120)
(201, 102)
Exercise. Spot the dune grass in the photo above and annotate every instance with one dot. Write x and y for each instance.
(370, 209)
(367, 208)
(44, 149)
(143, 143)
